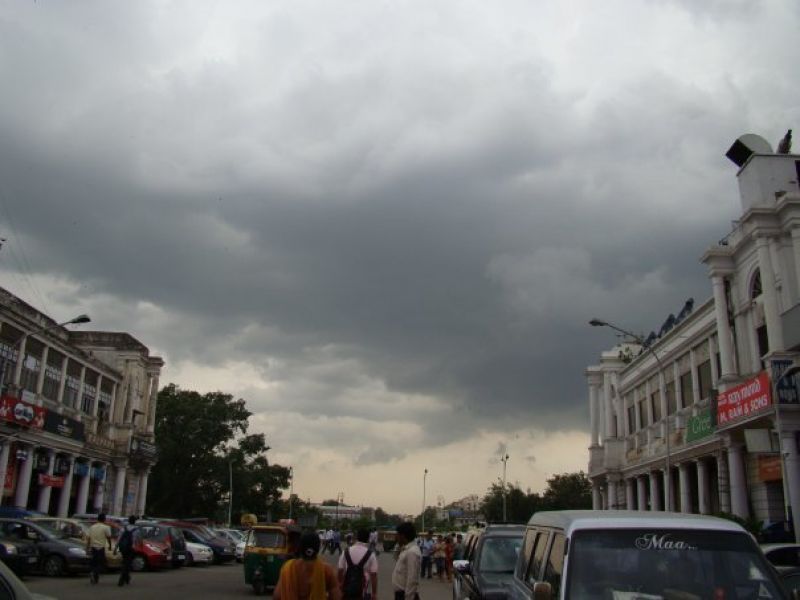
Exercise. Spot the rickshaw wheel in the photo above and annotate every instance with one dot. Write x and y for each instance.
(259, 588)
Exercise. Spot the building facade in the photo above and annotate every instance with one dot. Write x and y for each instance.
(77, 415)
(704, 417)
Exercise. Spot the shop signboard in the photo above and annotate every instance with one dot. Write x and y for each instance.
(14, 410)
(55, 481)
(11, 472)
(98, 473)
(141, 448)
(769, 468)
(64, 426)
(700, 425)
(744, 400)
(786, 387)
(81, 469)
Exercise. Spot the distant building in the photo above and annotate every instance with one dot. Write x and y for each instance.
(343, 511)
(77, 415)
(711, 402)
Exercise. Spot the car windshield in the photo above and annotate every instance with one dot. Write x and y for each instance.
(499, 554)
(153, 532)
(667, 564)
(268, 539)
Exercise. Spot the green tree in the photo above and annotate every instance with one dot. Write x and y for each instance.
(568, 491)
(519, 505)
(202, 439)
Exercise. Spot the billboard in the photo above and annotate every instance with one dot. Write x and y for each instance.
(22, 413)
(744, 400)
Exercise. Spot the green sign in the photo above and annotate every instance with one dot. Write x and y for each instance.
(699, 426)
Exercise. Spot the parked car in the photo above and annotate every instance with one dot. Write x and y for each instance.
(79, 531)
(223, 549)
(198, 554)
(169, 534)
(488, 571)
(627, 554)
(20, 556)
(790, 577)
(234, 535)
(11, 587)
(782, 555)
(151, 548)
(58, 553)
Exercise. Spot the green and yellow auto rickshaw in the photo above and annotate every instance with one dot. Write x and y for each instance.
(267, 547)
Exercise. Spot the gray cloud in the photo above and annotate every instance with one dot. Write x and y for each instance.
(387, 219)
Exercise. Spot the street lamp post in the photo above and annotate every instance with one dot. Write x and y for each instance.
(424, 482)
(638, 339)
(291, 489)
(21, 343)
(230, 491)
(504, 460)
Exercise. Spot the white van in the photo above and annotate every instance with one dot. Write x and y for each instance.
(630, 555)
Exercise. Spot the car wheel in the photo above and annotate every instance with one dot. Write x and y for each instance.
(259, 588)
(138, 563)
(53, 565)
(189, 559)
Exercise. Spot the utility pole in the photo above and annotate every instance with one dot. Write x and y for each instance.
(505, 463)
(424, 482)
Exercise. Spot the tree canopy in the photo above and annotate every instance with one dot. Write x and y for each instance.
(564, 492)
(202, 441)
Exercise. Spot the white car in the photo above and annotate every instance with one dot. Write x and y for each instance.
(198, 554)
(240, 551)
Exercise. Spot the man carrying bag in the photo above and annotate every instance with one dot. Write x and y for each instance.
(358, 570)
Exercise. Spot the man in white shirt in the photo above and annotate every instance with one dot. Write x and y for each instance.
(98, 539)
(405, 578)
(357, 552)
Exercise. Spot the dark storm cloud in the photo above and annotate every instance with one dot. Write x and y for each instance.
(440, 223)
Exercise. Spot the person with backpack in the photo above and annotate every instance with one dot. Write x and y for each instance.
(125, 547)
(358, 569)
(98, 538)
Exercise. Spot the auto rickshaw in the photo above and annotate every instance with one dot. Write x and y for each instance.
(388, 539)
(267, 547)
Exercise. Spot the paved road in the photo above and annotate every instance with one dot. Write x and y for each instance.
(222, 581)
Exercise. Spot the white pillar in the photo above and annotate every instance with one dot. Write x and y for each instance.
(100, 492)
(40, 379)
(655, 497)
(738, 484)
(796, 250)
(597, 500)
(612, 495)
(45, 490)
(151, 407)
(676, 374)
(119, 489)
(686, 490)
(96, 403)
(609, 406)
(142, 500)
(792, 462)
(20, 360)
(66, 490)
(641, 493)
(593, 414)
(62, 383)
(5, 450)
(723, 327)
(24, 478)
(629, 495)
(83, 490)
(771, 312)
(81, 384)
(702, 487)
(695, 378)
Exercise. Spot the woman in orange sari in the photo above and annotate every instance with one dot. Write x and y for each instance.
(307, 577)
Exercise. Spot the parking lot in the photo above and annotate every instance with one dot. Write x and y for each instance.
(221, 581)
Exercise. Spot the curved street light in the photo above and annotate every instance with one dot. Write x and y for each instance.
(504, 460)
(638, 339)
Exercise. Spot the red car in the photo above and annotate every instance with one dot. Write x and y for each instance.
(151, 549)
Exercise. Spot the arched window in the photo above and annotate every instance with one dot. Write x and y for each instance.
(755, 285)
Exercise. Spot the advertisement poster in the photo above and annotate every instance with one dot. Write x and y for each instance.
(20, 412)
(744, 400)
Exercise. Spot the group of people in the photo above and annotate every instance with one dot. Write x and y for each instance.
(308, 577)
(100, 538)
(331, 541)
(440, 551)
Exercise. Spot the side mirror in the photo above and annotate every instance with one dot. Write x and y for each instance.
(462, 566)
(542, 591)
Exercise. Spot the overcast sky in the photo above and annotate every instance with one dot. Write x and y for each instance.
(385, 224)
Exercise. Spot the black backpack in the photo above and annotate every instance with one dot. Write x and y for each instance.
(125, 543)
(353, 585)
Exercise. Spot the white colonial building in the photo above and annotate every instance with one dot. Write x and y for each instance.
(77, 415)
(692, 419)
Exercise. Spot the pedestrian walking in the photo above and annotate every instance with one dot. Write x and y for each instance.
(373, 541)
(458, 551)
(358, 569)
(307, 577)
(125, 547)
(438, 556)
(98, 539)
(449, 549)
(407, 569)
(426, 550)
(336, 542)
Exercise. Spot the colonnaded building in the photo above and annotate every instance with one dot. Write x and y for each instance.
(692, 418)
(77, 415)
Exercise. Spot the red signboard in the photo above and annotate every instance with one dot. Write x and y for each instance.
(746, 399)
(11, 472)
(16, 411)
(769, 468)
(51, 480)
